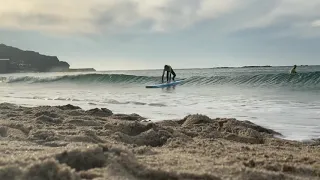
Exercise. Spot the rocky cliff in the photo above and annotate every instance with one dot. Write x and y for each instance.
(30, 61)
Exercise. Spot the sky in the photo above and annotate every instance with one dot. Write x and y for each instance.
(146, 34)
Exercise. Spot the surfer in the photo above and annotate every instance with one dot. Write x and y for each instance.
(293, 70)
(169, 71)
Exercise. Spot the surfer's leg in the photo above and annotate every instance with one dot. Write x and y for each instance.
(174, 74)
(167, 76)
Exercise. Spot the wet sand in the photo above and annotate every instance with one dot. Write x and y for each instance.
(68, 143)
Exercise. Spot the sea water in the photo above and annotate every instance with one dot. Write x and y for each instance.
(267, 96)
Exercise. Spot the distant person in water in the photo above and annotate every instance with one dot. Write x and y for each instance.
(293, 70)
(169, 71)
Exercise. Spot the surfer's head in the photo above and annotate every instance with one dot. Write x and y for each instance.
(294, 66)
(166, 66)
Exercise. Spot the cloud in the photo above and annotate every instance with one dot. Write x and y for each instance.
(53, 16)
(315, 23)
(116, 16)
(284, 10)
(292, 16)
(74, 16)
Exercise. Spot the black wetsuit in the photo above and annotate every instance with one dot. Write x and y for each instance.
(169, 72)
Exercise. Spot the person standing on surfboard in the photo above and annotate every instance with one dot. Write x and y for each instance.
(169, 72)
(293, 70)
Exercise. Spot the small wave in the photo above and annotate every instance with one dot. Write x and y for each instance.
(137, 103)
(157, 104)
(44, 98)
(112, 101)
(309, 80)
(83, 78)
(63, 99)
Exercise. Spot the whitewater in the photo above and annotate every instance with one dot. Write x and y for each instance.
(268, 96)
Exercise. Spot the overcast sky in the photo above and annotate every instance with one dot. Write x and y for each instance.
(142, 34)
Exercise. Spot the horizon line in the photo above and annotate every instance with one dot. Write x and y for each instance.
(215, 67)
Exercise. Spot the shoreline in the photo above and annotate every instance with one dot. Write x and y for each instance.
(67, 141)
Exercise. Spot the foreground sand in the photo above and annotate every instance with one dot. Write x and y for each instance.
(68, 143)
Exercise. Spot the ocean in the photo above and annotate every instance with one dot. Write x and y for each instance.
(267, 96)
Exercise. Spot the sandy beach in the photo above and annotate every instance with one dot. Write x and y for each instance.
(68, 143)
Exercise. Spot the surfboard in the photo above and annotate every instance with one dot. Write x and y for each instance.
(164, 84)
